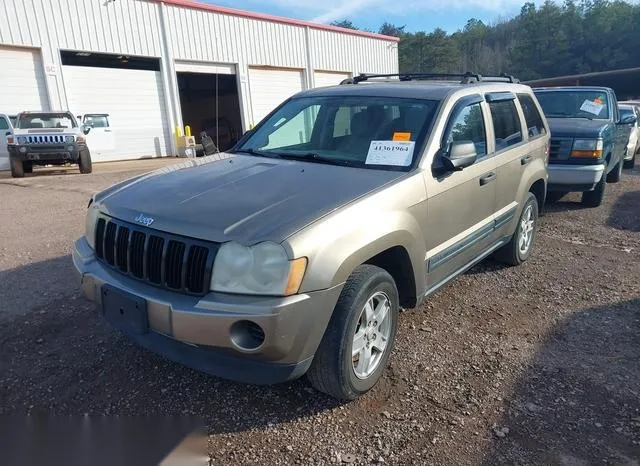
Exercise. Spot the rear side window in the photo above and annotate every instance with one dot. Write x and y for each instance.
(3, 124)
(535, 126)
(506, 123)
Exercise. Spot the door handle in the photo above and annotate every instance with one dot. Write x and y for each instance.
(488, 178)
(107, 130)
(526, 159)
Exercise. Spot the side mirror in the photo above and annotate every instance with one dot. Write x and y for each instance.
(86, 129)
(628, 120)
(8, 133)
(462, 154)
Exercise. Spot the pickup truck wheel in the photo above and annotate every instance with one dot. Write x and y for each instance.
(555, 196)
(594, 198)
(355, 348)
(17, 168)
(519, 248)
(615, 174)
(85, 162)
(629, 164)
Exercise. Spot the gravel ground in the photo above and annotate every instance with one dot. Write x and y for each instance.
(537, 364)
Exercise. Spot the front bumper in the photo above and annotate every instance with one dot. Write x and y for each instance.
(45, 153)
(197, 331)
(631, 151)
(574, 177)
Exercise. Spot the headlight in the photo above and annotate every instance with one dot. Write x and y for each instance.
(90, 225)
(589, 148)
(79, 139)
(69, 139)
(263, 269)
(22, 139)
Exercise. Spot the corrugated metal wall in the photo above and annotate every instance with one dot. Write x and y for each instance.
(171, 32)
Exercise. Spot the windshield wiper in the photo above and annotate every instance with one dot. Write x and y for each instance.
(313, 157)
(259, 153)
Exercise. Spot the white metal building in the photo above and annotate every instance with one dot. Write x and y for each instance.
(138, 68)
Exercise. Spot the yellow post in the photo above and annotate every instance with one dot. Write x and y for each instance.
(178, 132)
(187, 131)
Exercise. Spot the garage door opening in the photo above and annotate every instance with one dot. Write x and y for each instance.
(122, 98)
(210, 103)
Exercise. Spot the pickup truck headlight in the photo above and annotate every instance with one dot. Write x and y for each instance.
(587, 148)
(69, 139)
(91, 221)
(263, 269)
(22, 139)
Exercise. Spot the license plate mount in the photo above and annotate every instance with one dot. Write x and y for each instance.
(124, 311)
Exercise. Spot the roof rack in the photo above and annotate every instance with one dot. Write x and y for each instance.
(465, 78)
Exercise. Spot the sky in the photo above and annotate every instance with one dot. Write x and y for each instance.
(417, 15)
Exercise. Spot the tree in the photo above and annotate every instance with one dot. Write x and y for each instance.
(388, 29)
(345, 23)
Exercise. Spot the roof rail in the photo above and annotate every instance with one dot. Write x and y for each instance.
(465, 78)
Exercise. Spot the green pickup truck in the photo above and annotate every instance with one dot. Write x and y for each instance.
(588, 140)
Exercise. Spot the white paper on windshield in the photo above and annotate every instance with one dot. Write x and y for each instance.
(396, 153)
(591, 107)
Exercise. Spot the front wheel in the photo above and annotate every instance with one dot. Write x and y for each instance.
(519, 247)
(615, 174)
(355, 348)
(84, 162)
(17, 168)
(594, 198)
(629, 164)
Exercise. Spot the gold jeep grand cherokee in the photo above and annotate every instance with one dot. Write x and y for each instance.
(292, 253)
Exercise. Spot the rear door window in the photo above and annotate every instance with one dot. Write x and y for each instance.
(506, 124)
(4, 125)
(535, 125)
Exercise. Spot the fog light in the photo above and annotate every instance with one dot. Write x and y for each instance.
(70, 148)
(23, 150)
(247, 335)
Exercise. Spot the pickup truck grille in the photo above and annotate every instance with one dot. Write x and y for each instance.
(560, 149)
(46, 139)
(167, 261)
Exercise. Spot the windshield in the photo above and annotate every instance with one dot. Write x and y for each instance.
(45, 120)
(574, 104)
(371, 132)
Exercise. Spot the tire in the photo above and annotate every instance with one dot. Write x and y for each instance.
(629, 164)
(512, 253)
(615, 174)
(555, 196)
(594, 198)
(28, 167)
(84, 162)
(333, 370)
(17, 168)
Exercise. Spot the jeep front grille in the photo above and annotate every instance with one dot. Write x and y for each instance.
(46, 139)
(168, 261)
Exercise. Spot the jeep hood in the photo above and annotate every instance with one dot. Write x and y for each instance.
(239, 197)
(577, 127)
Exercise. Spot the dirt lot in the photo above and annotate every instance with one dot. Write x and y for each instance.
(532, 365)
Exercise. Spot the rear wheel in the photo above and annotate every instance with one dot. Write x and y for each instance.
(355, 348)
(519, 248)
(85, 162)
(17, 168)
(594, 198)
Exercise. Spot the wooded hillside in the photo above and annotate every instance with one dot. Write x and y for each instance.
(550, 40)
